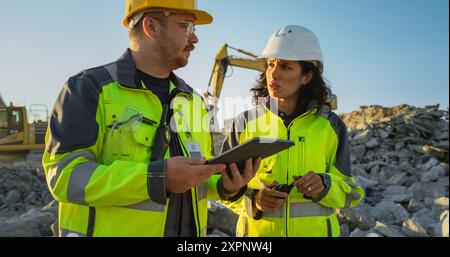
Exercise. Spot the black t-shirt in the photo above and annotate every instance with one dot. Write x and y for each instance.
(159, 87)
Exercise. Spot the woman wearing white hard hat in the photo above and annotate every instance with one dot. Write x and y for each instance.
(295, 193)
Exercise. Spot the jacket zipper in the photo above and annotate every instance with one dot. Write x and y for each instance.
(199, 227)
(302, 148)
(287, 173)
(287, 181)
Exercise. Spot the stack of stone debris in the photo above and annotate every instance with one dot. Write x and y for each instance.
(221, 220)
(400, 157)
(26, 206)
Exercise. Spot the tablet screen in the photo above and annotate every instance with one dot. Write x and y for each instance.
(253, 148)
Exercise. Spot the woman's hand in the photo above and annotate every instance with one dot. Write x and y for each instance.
(269, 200)
(310, 185)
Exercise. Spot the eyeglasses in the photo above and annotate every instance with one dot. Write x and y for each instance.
(190, 26)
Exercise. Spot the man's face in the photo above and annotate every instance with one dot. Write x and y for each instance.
(175, 44)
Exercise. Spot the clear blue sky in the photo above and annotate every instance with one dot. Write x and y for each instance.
(384, 52)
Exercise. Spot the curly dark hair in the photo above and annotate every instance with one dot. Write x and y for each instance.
(316, 89)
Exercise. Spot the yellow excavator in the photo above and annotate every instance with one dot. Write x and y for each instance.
(16, 134)
(220, 68)
(221, 64)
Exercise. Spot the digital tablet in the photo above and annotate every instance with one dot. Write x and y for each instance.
(253, 148)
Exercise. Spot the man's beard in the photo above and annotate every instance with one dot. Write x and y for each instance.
(169, 58)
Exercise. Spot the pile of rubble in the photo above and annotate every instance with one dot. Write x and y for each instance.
(400, 157)
(26, 206)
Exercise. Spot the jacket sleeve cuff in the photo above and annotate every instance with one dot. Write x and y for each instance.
(326, 179)
(226, 197)
(156, 181)
(252, 211)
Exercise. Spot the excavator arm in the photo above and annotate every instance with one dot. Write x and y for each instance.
(220, 68)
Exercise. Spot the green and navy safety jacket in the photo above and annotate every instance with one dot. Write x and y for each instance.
(321, 145)
(99, 147)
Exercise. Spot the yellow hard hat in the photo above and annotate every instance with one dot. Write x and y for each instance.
(136, 6)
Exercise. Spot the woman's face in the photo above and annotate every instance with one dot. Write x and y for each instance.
(284, 78)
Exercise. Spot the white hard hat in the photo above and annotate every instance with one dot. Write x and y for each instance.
(294, 43)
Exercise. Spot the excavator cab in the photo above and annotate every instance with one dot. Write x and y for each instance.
(11, 124)
(16, 135)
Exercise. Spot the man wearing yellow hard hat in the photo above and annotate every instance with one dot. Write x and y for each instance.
(125, 155)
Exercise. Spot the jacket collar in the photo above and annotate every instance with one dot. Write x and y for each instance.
(312, 105)
(127, 75)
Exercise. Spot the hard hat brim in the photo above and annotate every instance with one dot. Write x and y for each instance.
(286, 56)
(201, 17)
(280, 56)
(277, 56)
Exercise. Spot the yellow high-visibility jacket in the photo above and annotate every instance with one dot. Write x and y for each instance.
(321, 145)
(99, 145)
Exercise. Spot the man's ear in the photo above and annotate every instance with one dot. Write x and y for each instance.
(149, 26)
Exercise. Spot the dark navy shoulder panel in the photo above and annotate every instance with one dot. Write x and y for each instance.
(73, 122)
(100, 76)
(343, 162)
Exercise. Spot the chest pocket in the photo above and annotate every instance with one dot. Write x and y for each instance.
(129, 134)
